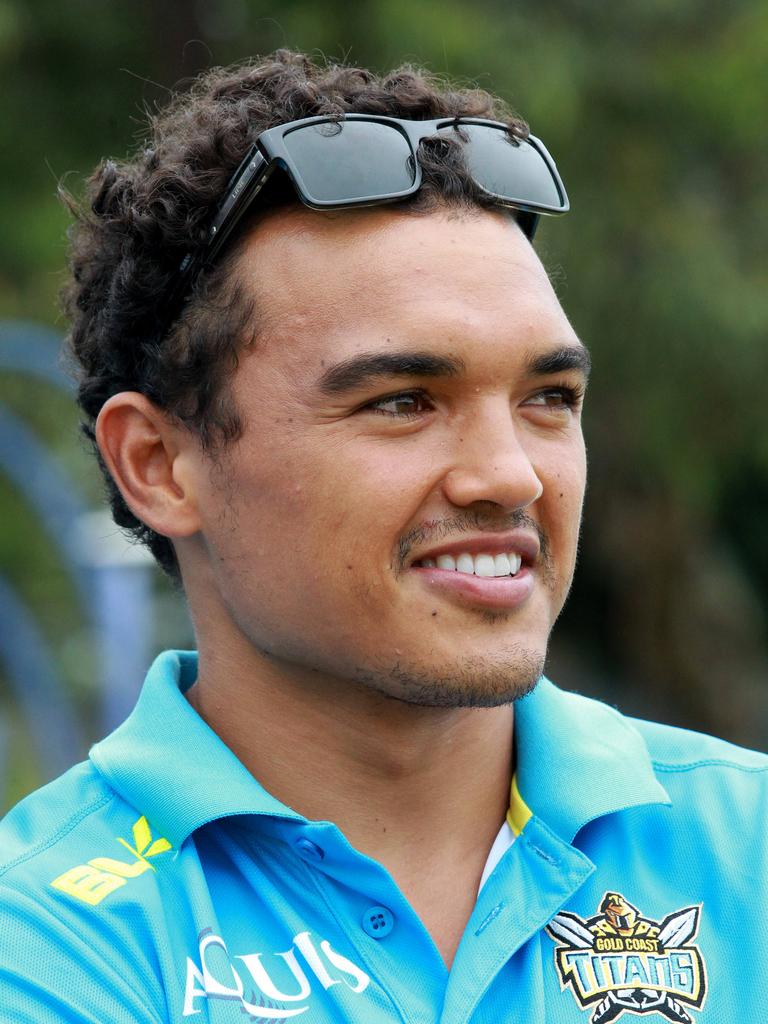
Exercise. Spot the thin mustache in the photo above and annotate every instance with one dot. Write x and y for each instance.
(468, 522)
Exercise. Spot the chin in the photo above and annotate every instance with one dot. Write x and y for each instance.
(479, 683)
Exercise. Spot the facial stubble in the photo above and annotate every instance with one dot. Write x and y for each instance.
(485, 683)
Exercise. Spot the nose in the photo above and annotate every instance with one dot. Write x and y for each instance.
(491, 464)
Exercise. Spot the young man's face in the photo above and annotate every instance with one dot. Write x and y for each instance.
(414, 396)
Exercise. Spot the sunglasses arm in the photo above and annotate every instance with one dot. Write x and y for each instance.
(528, 222)
(243, 186)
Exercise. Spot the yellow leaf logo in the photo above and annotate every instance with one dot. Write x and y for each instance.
(145, 847)
(93, 881)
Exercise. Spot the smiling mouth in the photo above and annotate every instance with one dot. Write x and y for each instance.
(489, 566)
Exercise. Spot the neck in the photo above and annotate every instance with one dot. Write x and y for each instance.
(392, 776)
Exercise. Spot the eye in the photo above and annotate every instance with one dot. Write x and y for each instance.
(404, 405)
(562, 398)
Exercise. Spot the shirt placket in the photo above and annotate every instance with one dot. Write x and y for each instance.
(533, 881)
(388, 937)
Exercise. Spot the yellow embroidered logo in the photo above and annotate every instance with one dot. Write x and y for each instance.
(620, 962)
(93, 881)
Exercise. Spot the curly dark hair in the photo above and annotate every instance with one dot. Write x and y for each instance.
(140, 217)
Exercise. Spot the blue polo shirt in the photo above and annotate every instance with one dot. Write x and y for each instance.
(159, 882)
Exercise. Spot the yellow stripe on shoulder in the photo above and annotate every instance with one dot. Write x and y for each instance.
(519, 812)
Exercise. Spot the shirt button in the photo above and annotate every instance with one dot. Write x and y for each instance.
(378, 922)
(309, 850)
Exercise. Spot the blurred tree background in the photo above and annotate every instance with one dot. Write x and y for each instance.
(655, 111)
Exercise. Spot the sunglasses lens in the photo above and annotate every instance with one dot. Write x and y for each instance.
(350, 161)
(509, 168)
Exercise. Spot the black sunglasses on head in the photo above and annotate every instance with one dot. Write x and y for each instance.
(365, 160)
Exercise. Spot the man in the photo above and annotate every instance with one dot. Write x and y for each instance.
(334, 392)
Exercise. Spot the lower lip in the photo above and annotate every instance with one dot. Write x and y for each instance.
(487, 591)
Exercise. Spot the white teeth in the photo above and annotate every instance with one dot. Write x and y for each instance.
(486, 565)
(465, 563)
(501, 565)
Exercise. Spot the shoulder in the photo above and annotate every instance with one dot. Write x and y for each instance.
(50, 820)
(672, 750)
(76, 837)
(618, 761)
(682, 750)
(60, 857)
(713, 780)
(67, 824)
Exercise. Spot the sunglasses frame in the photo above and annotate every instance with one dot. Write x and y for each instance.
(269, 152)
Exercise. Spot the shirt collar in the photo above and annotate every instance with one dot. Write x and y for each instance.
(168, 764)
(579, 759)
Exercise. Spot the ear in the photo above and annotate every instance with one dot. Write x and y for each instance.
(150, 459)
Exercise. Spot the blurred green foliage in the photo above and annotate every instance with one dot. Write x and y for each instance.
(656, 112)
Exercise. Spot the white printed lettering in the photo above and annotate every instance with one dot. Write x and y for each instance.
(190, 992)
(361, 978)
(212, 986)
(306, 947)
(258, 972)
(204, 982)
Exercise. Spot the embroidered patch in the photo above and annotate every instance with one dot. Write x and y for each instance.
(620, 962)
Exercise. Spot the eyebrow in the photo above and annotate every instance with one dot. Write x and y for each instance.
(362, 370)
(560, 360)
(368, 367)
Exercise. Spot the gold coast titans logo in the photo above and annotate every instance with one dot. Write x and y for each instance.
(620, 962)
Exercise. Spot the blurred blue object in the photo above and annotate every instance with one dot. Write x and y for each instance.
(37, 476)
(113, 578)
(45, 706)
(120, 589)
(34, 350)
